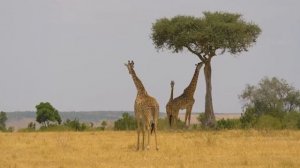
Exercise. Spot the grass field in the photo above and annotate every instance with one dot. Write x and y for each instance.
(177, 149)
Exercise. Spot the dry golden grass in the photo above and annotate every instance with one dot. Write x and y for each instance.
(177, 149)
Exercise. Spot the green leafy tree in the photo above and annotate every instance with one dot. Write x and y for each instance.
(272, 97)
(103, 125)
(3, 119)
(206, 37)
(127, 122)
(46, 113)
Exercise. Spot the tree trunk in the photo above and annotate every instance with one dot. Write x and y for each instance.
(209, 111)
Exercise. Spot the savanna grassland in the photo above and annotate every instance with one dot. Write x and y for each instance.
(237, 148)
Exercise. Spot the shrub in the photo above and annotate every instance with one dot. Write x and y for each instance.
(268, 122)
(51, 128)
(75, 125)
(127, 122)
(3, 118)
(248, 118)
(291, 120)
(271, 97)
(201, 117)
(10, 129)
(103, 125)
(31, 126)
(163, 124)
(228, 124)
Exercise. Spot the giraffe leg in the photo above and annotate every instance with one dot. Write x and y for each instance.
(155, 126)
(189, 112)
(148, 132)
(138, 123)
(138, 137)
(186, 116)
(176, 118)
(143, 131)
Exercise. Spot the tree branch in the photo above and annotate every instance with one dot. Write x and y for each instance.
(196, 53)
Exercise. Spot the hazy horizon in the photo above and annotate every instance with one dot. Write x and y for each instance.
(71, 53)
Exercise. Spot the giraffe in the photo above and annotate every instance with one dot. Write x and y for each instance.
(184, 101)
(169, 104)
(146, 109)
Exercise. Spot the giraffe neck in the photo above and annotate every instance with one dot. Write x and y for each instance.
(190, 90)
(171, 96)
(138, 83)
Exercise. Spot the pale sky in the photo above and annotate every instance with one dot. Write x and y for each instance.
(71, 53)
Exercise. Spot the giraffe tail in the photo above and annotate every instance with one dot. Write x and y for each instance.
(152, 127)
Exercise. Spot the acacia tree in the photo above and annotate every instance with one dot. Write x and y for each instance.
(45, 113)
(206, 37)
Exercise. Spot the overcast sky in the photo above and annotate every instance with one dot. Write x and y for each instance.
(71, 53)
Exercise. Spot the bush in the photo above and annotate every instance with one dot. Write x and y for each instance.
(75, 125)
(201, 118)
(31, 126)
(271, 97)
(10, 129)
(163, 124)
(68, 125)
(268, 122)
(103, 125)
(3, 118)
(127, 122)
(228, 124)
(248, 118)
(291, 120)
(51, 128)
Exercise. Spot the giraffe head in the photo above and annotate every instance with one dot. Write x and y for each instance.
(199, 65)
(172, 84)
(130, 66)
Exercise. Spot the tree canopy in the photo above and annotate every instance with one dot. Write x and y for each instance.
(203, 36)
(46, 113)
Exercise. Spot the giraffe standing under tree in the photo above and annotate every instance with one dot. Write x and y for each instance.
(146, 109)
(184, 101)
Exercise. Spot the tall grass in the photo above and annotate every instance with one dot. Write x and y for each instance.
(235, 148)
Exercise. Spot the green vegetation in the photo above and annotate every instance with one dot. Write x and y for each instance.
(163, 124)
(205, 37)
(273, 103)
(228, 124)
(75, 125)
(46, 113)
(103, 125)
(127, 122)
(3, 119)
